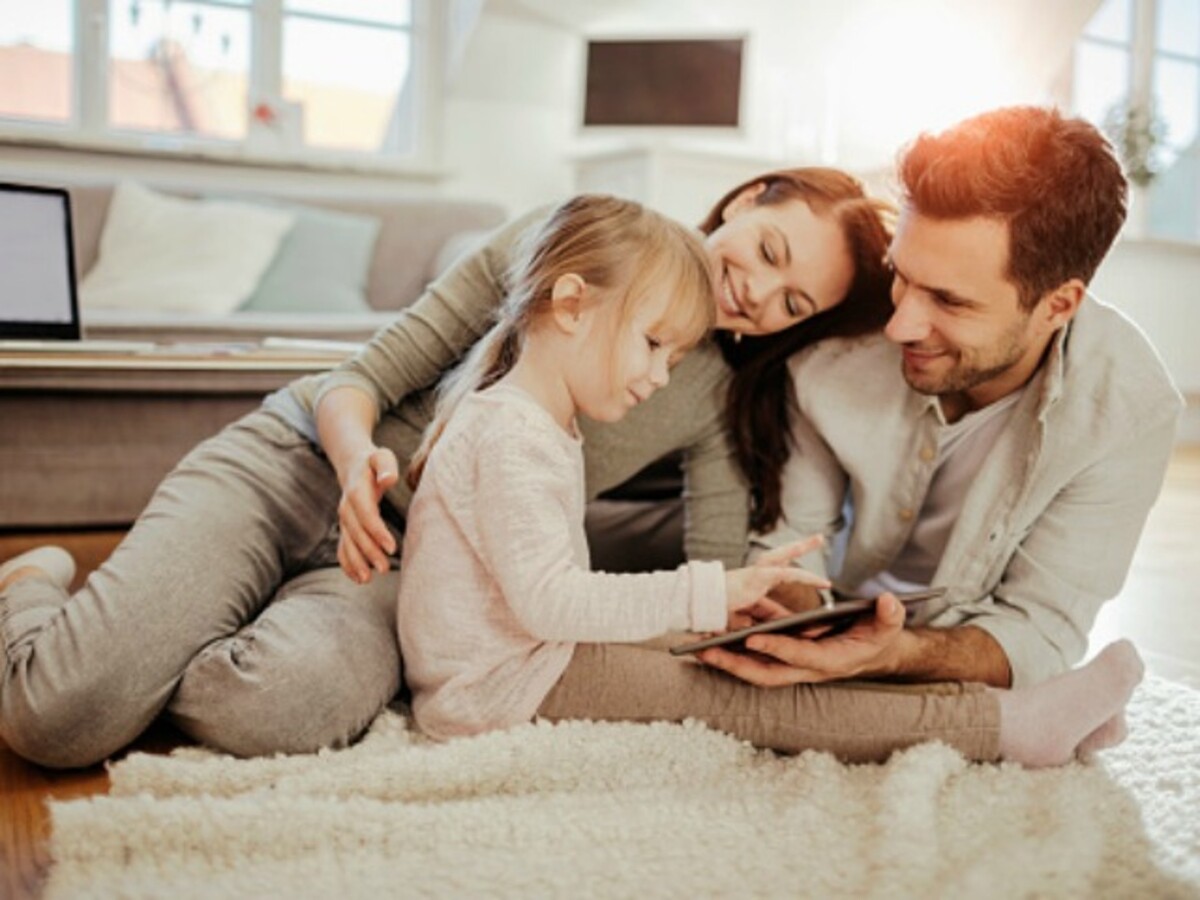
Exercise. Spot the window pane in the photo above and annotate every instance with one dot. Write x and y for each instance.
(1177, 95)
(1174, 210)
(1179, 26)
(1101, 79)
(1113, 21)
(393, 12)
(36, 47)
(349, 81)
(178, 67)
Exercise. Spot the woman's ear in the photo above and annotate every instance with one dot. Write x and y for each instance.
(743, 200)
(566, 302)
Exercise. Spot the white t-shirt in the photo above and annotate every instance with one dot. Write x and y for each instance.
(962, 448)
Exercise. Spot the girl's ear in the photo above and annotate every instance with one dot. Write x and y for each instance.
(745, 199)
(566, 302)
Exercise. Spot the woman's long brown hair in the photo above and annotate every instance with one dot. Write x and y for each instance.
(761, 393)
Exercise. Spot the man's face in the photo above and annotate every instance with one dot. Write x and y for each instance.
(958, 319)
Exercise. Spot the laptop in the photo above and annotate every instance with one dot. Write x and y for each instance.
(39, 300)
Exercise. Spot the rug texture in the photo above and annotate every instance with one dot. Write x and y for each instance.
(621, 810)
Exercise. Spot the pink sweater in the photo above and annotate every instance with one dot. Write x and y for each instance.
(495, 587)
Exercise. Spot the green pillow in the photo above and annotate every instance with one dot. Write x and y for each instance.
(321, 265)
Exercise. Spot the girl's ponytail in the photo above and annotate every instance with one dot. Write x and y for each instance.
(491, 357)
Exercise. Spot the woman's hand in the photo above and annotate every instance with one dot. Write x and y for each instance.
(366, 542)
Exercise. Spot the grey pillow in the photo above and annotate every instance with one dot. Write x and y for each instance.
(321, 266)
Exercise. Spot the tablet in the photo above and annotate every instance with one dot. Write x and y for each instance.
(843, 613)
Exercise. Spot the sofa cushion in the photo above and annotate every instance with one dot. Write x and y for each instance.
(168, 253)
(321, 265)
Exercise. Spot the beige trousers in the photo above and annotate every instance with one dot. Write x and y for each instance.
(856, 721)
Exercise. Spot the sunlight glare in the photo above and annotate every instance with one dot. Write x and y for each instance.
(906, 70)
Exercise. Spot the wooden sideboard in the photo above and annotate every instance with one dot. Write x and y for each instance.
(86, 437)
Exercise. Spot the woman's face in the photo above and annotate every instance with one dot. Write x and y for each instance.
(776, 265)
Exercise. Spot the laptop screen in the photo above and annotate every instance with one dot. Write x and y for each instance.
(37, 266)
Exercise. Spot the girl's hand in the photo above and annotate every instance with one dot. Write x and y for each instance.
(794, 597)
(746, 591)
(365, 541)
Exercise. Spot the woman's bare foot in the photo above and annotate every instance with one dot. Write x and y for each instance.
(1047, 724)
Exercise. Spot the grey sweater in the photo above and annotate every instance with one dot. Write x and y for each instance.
(402, 364)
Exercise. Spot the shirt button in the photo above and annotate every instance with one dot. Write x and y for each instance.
(906, 515)
(927, 454)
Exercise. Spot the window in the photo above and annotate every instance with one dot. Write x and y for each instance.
(290, 80)
(1144, 56)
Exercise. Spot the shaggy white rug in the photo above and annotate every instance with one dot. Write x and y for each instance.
(610, 810)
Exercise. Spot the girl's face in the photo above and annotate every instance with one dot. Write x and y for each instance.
(776, 265)
(622, 363)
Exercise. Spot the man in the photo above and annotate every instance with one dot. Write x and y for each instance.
(1004, 438)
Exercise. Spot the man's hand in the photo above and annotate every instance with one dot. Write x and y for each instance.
(876, 647)
(871, 647)
(365, 541)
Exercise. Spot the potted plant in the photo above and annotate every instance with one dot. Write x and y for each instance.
(1138, 132)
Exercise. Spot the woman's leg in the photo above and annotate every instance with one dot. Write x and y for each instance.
(313, 670)
(84, 675)
(856, 722)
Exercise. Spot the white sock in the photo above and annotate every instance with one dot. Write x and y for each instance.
(1046, 724)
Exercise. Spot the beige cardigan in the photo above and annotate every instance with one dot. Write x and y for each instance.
(1048, 529)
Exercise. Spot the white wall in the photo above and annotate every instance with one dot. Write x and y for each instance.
(1157, 284)
(511, 112)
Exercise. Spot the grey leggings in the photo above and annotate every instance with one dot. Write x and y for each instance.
(224, 605)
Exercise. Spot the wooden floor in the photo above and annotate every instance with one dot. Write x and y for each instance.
(1157, 610)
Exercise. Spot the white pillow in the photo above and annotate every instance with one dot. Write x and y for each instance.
(170, 254)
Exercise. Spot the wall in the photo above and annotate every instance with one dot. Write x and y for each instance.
(510, 115)
(1157, 284)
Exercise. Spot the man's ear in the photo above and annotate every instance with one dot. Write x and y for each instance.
(1060, 305)
(566, 302)
(744, 200)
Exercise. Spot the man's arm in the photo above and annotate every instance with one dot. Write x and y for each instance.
(878, 648)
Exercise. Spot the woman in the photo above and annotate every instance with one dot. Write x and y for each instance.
(225, 604)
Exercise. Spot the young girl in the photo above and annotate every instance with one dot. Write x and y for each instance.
(496, 586)
(495, 589)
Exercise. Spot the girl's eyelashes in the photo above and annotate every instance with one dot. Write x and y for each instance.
(790, 304)
(767, 253)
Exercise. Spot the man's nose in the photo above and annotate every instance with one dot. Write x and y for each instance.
(909, 322)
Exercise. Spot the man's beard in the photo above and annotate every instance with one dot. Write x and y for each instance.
(966, 374)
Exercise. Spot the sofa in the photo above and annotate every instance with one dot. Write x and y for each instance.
(417, 239)
(85, 447)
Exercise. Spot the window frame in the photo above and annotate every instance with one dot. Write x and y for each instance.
(1144, 53)
(88, 128)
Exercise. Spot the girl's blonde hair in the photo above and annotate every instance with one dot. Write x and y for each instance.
(616, 246)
